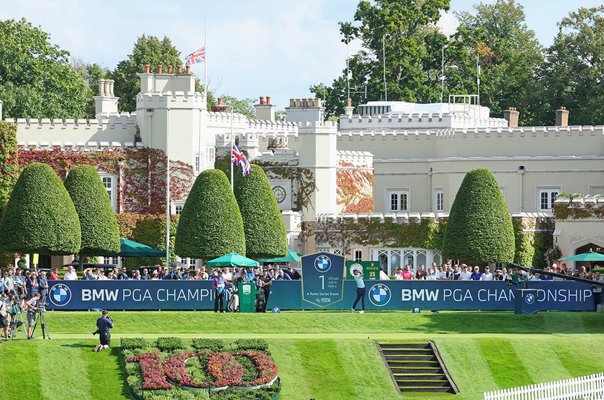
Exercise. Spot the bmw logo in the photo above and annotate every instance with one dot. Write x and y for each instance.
(530, 298)
(379, 295)
(60, 295)
(322, 263)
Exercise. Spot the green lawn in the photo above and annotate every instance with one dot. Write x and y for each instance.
(320, 355)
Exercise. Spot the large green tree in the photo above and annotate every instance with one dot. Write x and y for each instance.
(509, 56)
(210, 223)
(8, 173)
(265, 235)
(100, 232)
(402, 33)
(574, 71)
(91, 73)
(147, 50)
(40, 216)
(36, 77)
(480, 227)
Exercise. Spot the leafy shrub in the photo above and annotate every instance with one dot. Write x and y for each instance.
(40, 216)
(169, 344)
(250, 344)
(210, 223)
(133, 343)
(210, 344)
(265, 235)
(100, 233)
(480, 228)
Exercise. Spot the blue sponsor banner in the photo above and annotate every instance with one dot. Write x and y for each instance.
(287, 295)
(322, 280)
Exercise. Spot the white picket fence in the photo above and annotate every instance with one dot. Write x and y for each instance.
(589, 387)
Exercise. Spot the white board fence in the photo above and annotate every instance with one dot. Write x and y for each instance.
(589, 387)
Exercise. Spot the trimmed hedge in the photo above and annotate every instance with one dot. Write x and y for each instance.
(134, 343)
(265, 234)
(250, 344)
(40, 216)
(480, 228)
(210, 223)
(100, 233)
(169, 343)
(210, 344)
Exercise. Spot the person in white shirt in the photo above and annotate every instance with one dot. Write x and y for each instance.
(441, 274)
(383, 275)
(487, 276)
(465, 274)
(227, 274)
(70, 275)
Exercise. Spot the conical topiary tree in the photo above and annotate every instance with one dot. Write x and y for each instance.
(210, 222)
(40, 216)
(265, 235)
(100, 232)
(480, 227)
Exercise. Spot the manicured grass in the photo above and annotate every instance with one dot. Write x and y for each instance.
(320, 355)
(373, 323)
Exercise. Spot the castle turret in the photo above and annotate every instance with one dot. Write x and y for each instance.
(105, 102)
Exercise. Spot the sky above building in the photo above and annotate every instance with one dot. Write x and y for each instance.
(254, 48)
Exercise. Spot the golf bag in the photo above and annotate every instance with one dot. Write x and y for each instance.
(260, 301)
(233, 304)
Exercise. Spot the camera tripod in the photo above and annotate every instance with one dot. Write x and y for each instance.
(41, 319)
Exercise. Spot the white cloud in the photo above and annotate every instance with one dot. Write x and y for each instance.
(448, 23)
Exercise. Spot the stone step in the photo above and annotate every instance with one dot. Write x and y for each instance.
(406, 370)
(407, 351)
(427, 377)
(406, 364)
(426, 389)
(422, 383)
(405, 346)
(415, 357)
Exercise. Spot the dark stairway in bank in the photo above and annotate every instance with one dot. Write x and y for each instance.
(416, 367)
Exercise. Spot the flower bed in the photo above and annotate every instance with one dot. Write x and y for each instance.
(202, 372)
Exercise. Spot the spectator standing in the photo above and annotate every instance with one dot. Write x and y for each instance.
(282, 276)
(456, 273)
(43, 286)
(441, 274)
(227, 274)
(487, 276)
(265, 284)
(88, 276)
(219, 285)
(100, 275)
(54, 275)
(249, 275)
(9, 282)
(597, 277)
(294, 273)
(398, 275)
(70, 275)
(4, 316)
(466, 273)
(407, 275)
(476, 275)
(421, 273)
(145, 275)
(358, 279)
(155, 276)
(122, 275)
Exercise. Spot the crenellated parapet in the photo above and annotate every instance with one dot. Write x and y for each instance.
(400, 121)
(355, 158)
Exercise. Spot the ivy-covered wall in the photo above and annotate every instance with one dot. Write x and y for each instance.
(141, 174)
(578, 209)
(533, 237)
(354, 188)
(9, 172)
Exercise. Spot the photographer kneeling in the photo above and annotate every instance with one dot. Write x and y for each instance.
(104, 325)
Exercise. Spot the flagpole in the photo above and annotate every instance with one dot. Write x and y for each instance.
(168, 190)
(232, 145)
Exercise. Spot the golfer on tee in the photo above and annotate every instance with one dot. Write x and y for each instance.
(358, 279)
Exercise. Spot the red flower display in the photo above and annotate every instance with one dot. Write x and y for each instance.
(153, 377)
(267, 370)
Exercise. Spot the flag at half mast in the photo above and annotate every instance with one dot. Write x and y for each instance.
(238, 158)
(197, 56)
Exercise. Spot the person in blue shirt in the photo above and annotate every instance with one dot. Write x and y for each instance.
(476, 275)
(358, 279)
(250, 275)
(104, 325)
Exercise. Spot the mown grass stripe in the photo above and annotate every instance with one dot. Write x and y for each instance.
(540, 360)
(20, 370)
(500, 357)
(61, 364)
(580, 357)
(102, 368)
(324, 376)
(294, 382)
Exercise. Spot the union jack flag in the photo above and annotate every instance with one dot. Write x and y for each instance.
(197, 56)
(238, 158)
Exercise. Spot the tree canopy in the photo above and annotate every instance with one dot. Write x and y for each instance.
(210, 222)
(36, 78)
(100, 232)
(40, 216)
(480, 227)
(147, 50)
(265, 235)
(574, 70)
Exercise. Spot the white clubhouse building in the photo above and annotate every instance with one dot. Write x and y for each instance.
(407, 160)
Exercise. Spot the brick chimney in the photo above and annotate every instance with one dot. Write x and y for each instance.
(348, 109)
(562, 117)
(105, 102)
(265, 110)
(511, 115)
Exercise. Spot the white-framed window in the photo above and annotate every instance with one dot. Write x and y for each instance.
(439, 200)
(546, 198)
(330, 250)
(397, 200)
(210, 155)
(197, 163)
(110, 185)
(177, 207)
(189, 262)
(111, 260)
(358, 255)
